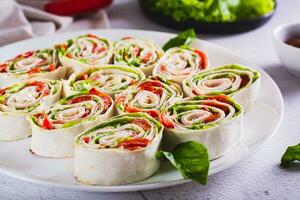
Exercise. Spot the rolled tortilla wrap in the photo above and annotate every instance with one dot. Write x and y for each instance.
(215, 122)
(110, 79)
(22, 99)
(139, 53)
(84, 51)
(54, 130)
(120, 150)
(179, 63)
(150, 96)
(238, 82)
(42, 63)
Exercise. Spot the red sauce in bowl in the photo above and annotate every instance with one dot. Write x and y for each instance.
(295, 42)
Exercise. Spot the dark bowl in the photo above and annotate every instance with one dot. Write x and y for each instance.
(207, 27)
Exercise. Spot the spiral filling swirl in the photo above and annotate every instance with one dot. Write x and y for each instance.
(227, 80)
(199, 113)
(24, 97)
(180, 62)
(136, 52)
(87, 49)
(74, 109)
(127, 132)
(149, 97)
(108, 79)
(30, 62)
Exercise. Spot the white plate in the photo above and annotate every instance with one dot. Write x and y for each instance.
(17, 161)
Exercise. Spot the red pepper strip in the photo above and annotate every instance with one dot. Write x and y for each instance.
(134, 144)
(194, 92)
(3, 67)
(163, 68)
(69, 55)
(132, 109)
(245, 80)
(152, 113)
(74, 7)
(64, 46)
(105, 97)
(132, 82)
(39, 117)
(61, 46)
(223, 98)
(19, 56)
(136, 51)
(155, 78)
(205, 108)
(52, 67)
(167, 123)
(120, 100)
(80, 99)
(158, 91)
(94, 47)
(46, 123)
(86, 139)
(34, 70)
(92, 36)
(94, 91)
(126, 38)
(149, 85)
(147, 57)
(28, 54)
(98, 49)
(2, 91)
(211, 118)
(204, 60)
(217, 105)
(84, 76)
(142, 123)
(39, 85)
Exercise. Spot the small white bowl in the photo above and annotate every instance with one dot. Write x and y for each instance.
(288, 55)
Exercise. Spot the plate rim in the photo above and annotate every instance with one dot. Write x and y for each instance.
(146, 186)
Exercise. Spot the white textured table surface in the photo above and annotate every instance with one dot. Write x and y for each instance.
(258, 177)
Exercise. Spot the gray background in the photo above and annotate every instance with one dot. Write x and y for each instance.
(258, 177)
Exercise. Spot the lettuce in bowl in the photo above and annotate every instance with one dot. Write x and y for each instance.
(211, 10)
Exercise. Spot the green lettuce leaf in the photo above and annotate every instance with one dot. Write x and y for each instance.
(210, 10)
(16, 87)
(190, 159)
(249, 9)
(291, 154)
(184, 38)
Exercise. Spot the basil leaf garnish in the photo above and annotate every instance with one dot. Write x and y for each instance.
(190, 159)
(291, 154)
(184, 38)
